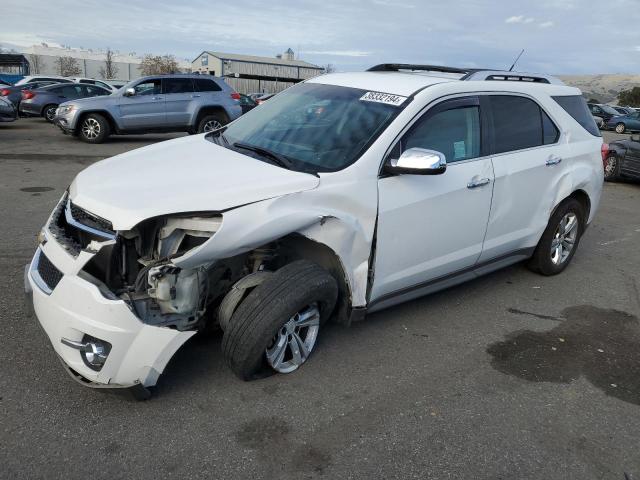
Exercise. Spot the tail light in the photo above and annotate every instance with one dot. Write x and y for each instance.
(27, 94)
(605, 153)
(235, 96)
(5, 92)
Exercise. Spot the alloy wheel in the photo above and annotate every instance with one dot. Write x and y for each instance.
(620, 128)
(564, 240)
(610, 166)
(91, 128)
(295, 340)
(50, 113)
(211, 125)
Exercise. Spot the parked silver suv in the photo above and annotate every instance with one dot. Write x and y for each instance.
(165, 103)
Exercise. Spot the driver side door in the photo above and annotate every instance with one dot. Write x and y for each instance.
(431, 227)
(145, 109)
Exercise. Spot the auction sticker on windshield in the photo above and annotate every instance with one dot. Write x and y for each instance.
(386, 98)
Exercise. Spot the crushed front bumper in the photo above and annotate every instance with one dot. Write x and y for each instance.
(70, 307)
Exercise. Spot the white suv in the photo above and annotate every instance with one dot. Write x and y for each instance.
(343, 195)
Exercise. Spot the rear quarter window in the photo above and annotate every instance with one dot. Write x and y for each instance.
(206, 85)
(576, 106)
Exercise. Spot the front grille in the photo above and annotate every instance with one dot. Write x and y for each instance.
(80, 215)
(48, 272)
(75, 228)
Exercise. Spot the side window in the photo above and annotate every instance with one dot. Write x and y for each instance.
(93, 91)
(71, 91)
(148, 87)
(517, 123)
(575, 106)
(550, 132)
(90, 82)
(206, 85)
(454, 132)
(177, 85)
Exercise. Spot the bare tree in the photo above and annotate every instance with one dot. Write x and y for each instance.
(35, 63)
(157, 65)
(68, 66)
(110, 69)
(329, 68)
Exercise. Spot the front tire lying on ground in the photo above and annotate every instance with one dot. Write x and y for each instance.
(560, 239)
(276, 326)
(94, 128)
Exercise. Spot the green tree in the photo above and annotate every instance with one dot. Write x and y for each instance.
(630, 98)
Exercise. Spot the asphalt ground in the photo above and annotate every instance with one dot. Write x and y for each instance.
(511, 376)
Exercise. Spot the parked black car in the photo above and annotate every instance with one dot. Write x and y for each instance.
(605, 112)
(622, 159)
(44, 101)
(8, 112)
(247, 103)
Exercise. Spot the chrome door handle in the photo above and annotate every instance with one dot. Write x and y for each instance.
(195, 96)
(553, 160)
(478, 183)
(156, 98)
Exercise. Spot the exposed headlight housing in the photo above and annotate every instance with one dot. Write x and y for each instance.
(181, 234)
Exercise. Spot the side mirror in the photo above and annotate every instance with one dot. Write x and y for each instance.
(635, 138)
(129, 92)
(417, 161)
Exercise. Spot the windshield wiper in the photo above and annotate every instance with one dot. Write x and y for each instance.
(279, 159)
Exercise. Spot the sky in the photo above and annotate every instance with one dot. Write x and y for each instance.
(559, 36)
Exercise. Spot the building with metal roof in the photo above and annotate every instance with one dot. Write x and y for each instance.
(253, 74)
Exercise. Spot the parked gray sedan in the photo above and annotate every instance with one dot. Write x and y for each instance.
(163, 103)
(8, 112)
(43, 102)
(13, 93)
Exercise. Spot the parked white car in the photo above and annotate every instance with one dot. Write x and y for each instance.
(343, 195)
(93, 81)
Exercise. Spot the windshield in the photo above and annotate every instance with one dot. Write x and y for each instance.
(318, 128)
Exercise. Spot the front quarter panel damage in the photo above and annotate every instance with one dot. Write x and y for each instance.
(330, 215)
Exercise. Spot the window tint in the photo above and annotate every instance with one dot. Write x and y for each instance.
(517, 123)
(177, 85)
(550, 132)
(455, 133)
(94, 91)
(71, 91)
(90, 82)
(206, 85)
(576, 106)
(149, 87)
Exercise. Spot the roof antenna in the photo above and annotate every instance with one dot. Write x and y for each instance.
(516, 61)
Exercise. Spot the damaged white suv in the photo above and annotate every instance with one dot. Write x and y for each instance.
(341, 196)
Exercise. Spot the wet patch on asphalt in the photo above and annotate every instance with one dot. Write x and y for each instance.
(36, 189)
(601, 345)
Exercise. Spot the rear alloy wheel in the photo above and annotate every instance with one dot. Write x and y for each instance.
(621, 128)
(560, 239)
(611, 168)
(94, 128)
(209, 123)
(276, 326)
(49, 112)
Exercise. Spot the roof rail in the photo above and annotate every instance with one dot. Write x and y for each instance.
(501, 75)
(396, 67)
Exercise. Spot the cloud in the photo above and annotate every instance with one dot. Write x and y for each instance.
(548, 24)
(339, 53)
(519, 19)
(393, 3)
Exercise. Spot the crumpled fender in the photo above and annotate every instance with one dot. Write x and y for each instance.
(327, 216)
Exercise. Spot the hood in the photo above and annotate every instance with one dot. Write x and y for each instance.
(189, 174)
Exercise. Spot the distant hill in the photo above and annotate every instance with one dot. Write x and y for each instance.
(605, 88)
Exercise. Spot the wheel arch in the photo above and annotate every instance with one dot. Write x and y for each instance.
(112, 123)
(210, 110)
(44, 108)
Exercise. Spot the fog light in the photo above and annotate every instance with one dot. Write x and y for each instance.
(94, 352)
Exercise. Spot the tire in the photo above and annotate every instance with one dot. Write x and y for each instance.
(611, 168)
(268, 314)
(49, 112)
(211, 122)
(621, 128)
(546, 260)
(94, 128)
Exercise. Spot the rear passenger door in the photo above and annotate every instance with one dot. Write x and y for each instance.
(528, 164)
(179, 94)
